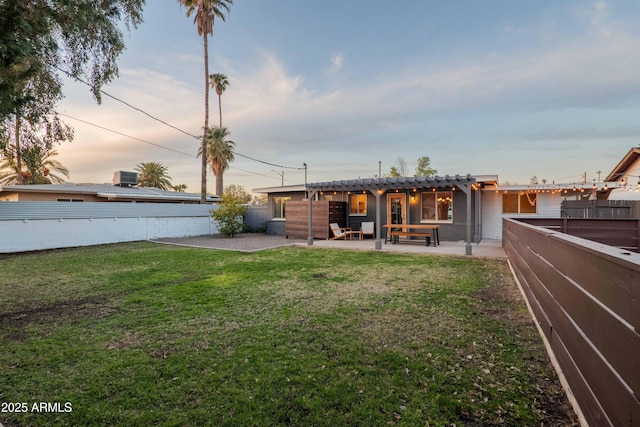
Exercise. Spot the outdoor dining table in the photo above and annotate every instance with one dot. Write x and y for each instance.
(422, 230)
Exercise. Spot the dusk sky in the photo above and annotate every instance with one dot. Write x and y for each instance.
(513, 88)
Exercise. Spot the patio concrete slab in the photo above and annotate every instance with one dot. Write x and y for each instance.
(485, 249)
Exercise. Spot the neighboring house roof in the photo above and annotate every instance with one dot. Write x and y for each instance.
(618, 172)
(109, 192)
(280, 189)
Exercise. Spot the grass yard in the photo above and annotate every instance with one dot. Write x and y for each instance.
(141, 334)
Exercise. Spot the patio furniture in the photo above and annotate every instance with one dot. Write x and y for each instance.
(340, 233)
(367, 229)
(427, 231)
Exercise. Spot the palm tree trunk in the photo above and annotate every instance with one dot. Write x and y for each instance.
(18, 152)
(219, 184)
(220, 108)
(203, 177)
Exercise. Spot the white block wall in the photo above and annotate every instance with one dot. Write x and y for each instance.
(27, 234)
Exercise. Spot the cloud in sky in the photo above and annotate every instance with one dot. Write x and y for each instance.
(337, 62)
(471, 110)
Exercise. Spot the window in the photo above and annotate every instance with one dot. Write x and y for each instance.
(358, 204)
(278, 206)
(437, 206)
(522, 203)
(70, 200)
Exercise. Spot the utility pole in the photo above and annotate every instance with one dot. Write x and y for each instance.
(281, 175)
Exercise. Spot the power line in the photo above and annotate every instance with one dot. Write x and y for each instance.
(267, 163)
(161, 121)
(153, 143)
(125, 135)
(127, 104)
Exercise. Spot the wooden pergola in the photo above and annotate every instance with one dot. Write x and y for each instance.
(379, 186)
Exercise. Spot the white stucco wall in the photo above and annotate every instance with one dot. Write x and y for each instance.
(548, 206)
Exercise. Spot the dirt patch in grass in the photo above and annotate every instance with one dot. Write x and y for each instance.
(71, 309)
(504, 302)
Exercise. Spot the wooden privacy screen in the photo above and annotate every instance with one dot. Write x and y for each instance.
(586, 299)
(324, 212)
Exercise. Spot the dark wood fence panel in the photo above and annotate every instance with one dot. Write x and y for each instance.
(585, 297)
(599, 209)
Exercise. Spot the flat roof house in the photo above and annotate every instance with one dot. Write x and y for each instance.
(434, 200)
(69, 192)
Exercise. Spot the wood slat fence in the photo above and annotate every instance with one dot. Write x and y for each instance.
(600, 209)
(586, 299)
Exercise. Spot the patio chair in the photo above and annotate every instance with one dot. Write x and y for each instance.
(367, 229)
(340, 233)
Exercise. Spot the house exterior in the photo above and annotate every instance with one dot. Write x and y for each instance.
(69, 192)
(451, 202)
(532, 201)
(440, 201)
(626, 175)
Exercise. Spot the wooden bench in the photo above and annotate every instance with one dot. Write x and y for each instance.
(393, 234)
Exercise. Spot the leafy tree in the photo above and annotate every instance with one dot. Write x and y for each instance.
(154, 174)
(424, 168)
(229, 216)
(205, 12)
(219, 151)
(393, 172)
(260, 199)
(38, 167)
(219, 82)
(32, 142)
(238, 192)
(38, 38)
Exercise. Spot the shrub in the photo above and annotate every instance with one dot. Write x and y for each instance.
(229, 216)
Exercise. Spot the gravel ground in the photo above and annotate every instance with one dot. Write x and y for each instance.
(248, 242)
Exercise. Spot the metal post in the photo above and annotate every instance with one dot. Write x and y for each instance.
(468, 250)
(310, 216)
(378, 225)
(379, 192)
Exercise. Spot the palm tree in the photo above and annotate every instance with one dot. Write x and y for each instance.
(180, 188)
(38, 167)
(219, 82)
(205, 13)
(153, 174)
(220, 154)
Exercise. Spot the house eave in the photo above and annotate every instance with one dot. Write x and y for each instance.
(618, 172)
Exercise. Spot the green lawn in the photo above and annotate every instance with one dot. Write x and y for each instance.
(144, 334)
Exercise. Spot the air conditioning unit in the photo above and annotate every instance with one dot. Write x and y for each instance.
(125, 179)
